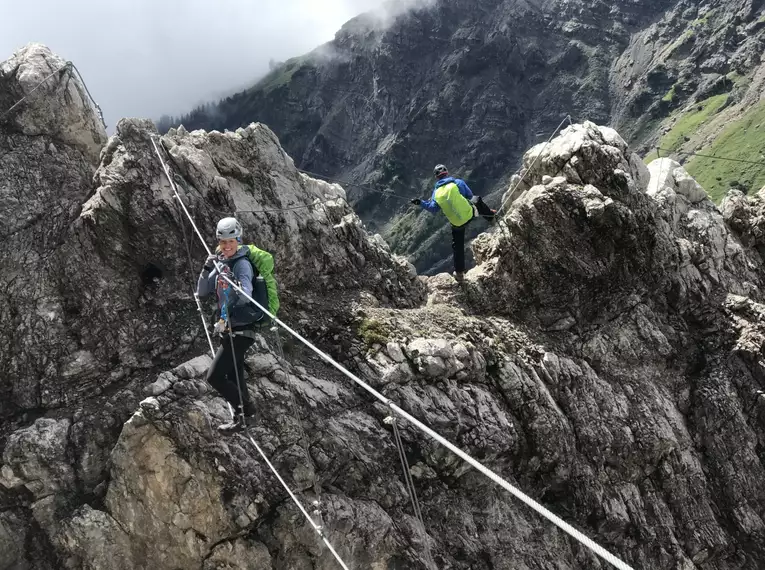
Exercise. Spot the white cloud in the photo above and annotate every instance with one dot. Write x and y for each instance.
(148, 57)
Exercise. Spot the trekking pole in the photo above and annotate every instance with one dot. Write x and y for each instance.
(230, 332)
(236, 373)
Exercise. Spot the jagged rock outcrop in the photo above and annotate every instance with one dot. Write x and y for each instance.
(98, 287)
(98, 250)
(746, 216)
(58, 108)
(634, 236)
(604, 355)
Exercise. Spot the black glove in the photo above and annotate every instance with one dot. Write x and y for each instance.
(416, 201)
(209, 263)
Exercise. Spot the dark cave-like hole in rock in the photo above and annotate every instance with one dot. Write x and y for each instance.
(149, 273)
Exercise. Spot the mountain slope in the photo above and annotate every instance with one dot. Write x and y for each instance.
(693, 82)
(473, 83)
(467, 83)
(604, 355)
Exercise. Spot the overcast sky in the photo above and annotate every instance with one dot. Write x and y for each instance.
(144, 58)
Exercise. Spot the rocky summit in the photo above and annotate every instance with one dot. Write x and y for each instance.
(604, 355)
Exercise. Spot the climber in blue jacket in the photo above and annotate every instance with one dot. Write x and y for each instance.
(431, 205)
(458, 203)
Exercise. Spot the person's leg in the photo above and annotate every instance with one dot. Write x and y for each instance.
(484, 210)
(241, 345)
(222, 365)
(458, 248)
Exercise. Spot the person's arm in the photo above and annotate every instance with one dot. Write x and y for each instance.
(464, 188)
(430, 205)
(207, 280)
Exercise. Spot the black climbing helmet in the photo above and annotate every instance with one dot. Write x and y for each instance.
(440, 171)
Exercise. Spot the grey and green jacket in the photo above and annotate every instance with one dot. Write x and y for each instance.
(240, 310)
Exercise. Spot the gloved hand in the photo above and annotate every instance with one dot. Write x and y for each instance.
(209, 262)
(220, 326)
(416, 201)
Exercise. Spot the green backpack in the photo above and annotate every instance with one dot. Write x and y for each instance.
(263, 264)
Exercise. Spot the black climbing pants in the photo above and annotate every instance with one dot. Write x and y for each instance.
(458, 235)
(458, 247)
(222, 374)
(484, 210)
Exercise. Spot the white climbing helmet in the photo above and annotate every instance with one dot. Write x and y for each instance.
(228, 228)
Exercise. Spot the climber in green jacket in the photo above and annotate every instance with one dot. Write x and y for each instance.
(460, 206)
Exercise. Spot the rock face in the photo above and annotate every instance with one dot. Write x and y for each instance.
(98, 284)
(745, 216)
(98, 252)
(58, 108)
(604, 355)
(468, 83)
(474, 83)
(693, 51)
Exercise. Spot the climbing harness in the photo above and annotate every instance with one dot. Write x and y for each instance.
(560, 523)
(248, 333)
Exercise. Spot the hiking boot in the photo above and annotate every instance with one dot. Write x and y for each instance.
(249, 421)
(238, 424)
(230, 427)
(459, 277)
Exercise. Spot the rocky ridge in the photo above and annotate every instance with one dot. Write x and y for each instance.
(604, 355)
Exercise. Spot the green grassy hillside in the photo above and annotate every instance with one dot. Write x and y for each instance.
(743, 139)
(691, 121)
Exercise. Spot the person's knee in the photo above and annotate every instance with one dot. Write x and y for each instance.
(212, 370)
